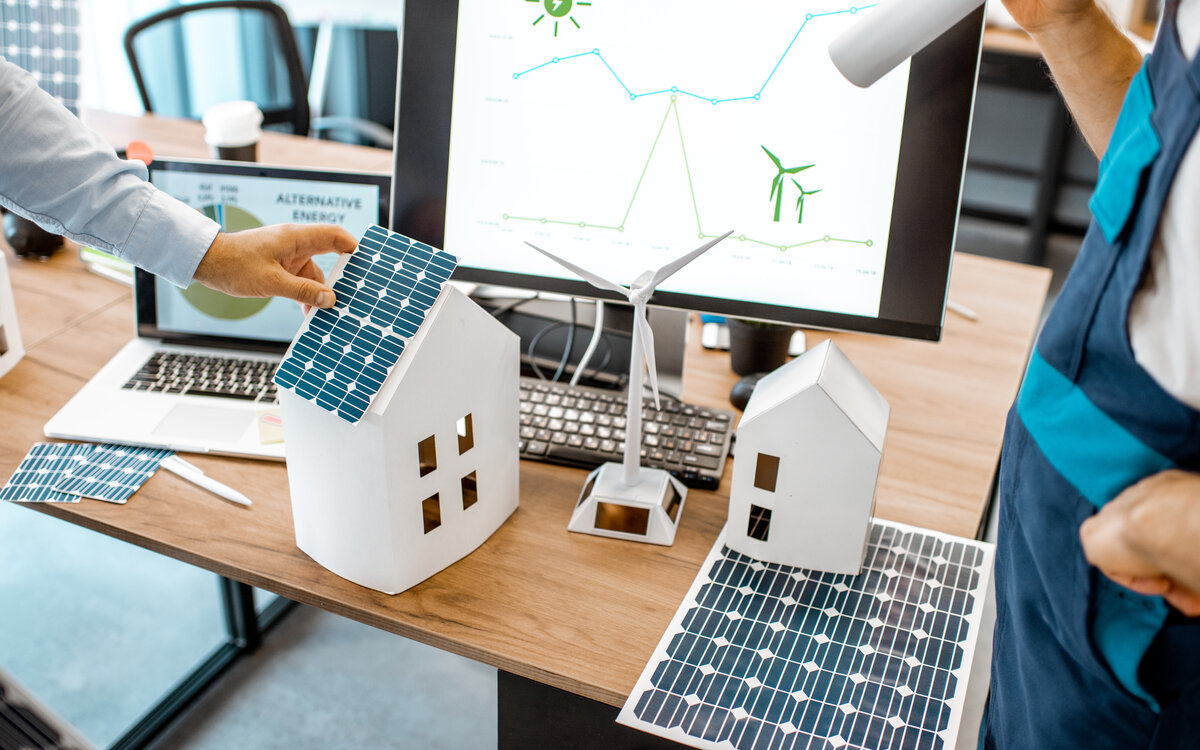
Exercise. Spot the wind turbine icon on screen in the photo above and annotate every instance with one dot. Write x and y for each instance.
(629, 501)
(800, 201)
(777, 183)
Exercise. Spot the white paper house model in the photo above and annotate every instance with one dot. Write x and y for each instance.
(430, 470)
(11, 349)
(808, 451)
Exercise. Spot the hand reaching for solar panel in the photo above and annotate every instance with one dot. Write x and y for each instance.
(1148, 539)
(274, 261)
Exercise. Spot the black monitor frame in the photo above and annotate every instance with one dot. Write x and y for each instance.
(925, 208)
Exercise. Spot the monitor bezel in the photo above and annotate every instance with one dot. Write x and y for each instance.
(926, 198)
(144, 286)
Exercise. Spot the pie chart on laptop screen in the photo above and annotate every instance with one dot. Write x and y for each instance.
(214, 303)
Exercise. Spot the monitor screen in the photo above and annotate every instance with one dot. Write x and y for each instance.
(620, 135)
(244, 196)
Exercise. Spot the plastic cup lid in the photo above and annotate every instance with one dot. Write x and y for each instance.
(235, 123)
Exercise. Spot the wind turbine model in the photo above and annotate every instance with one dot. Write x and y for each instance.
(630, 501)
(777, 183)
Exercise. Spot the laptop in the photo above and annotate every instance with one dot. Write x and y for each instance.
(198, 375)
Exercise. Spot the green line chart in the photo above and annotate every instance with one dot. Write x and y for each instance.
(672, 113)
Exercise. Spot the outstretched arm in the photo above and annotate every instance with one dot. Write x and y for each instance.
(1091, 60)
(1148, 539)
(63, 176)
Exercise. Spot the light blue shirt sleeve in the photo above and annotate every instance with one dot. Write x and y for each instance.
(56, 172)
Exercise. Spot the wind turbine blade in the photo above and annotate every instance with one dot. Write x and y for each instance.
(773, 157)
(666, 271)
(647, 334)
(775, 186)
(588, 276)
(794, 170)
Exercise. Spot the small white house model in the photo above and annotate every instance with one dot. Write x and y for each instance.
(431, 470)
(808, 451)
(11, 349)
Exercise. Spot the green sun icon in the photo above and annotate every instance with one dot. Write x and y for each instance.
(558, 9)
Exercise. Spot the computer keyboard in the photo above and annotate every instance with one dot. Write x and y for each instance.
(201, 375)
(585, 427)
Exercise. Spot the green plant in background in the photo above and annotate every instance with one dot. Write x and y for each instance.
(777, 183)
(800, 200)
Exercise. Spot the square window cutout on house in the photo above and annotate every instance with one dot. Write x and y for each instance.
(766, 471)
(760, 523)
(466, 434)
(431, 509)
(470, 490)
(427, 455)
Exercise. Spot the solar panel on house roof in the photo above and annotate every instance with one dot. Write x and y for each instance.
(113, 472)
(341, 359)
(769, 656)
(42, 36)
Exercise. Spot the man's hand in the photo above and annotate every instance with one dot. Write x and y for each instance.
(1148, 539)
(1038, 15)
(274, 261)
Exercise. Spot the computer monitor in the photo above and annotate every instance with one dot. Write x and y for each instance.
(620, 134)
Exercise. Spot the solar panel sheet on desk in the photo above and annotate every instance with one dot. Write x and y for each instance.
(341, 359)
(768, 657)
(113, 473)
(41, 470)
(42, 36)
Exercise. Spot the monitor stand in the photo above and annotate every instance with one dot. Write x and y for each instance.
(670, 330)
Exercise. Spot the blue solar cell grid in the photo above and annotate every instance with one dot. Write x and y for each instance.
(342, 358)
(41, 470)
(775, 657)
(42, 36)
(113, 473)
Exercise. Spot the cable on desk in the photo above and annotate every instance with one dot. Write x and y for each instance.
(593, 342)
(562, 364)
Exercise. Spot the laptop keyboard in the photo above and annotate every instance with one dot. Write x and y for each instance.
(585, 427)
(200, 375)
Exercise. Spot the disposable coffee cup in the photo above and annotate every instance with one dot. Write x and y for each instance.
(232, 130)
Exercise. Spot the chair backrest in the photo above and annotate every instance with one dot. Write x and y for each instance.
(189, 57)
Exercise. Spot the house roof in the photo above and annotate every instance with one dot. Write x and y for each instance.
(343, 355)
(825, 367)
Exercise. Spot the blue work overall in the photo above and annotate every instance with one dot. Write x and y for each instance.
(1080, 662)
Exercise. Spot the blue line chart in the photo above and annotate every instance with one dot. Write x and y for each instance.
(675, 90)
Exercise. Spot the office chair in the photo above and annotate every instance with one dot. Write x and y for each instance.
(276, 81)
(280, 87)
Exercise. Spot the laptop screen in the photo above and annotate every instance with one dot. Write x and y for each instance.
(244, 196)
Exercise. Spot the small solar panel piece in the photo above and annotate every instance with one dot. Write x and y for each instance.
(39, 473)
(42, 36)
(345, 353)
(766, 656)
(113, 473)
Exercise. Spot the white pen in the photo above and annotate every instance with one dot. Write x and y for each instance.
(961, 309)
(196, 476)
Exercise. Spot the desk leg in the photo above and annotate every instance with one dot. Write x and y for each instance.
(244, 634)
(533, 715)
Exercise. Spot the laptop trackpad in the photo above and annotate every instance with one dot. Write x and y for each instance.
(205, 423)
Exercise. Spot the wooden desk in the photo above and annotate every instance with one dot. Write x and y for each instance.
(575, 612)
